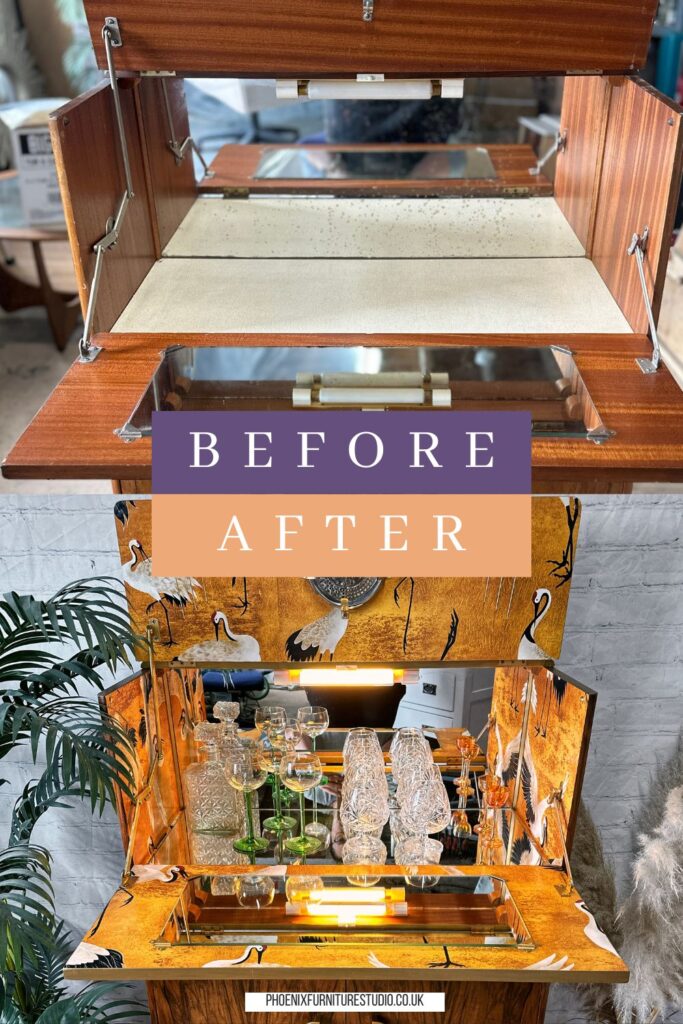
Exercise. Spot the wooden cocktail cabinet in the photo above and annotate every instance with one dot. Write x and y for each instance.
(491, 922)
(546, 294)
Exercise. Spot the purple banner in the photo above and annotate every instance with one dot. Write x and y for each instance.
(341, 452)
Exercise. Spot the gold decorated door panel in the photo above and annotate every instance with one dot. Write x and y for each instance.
(538, 744)
(284, 621)
(158, 717)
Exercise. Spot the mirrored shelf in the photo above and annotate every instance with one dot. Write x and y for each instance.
(544, 380)
(412, 909)
(301, 163)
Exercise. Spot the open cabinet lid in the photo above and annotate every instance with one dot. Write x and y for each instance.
(285, 621)
(308, 38)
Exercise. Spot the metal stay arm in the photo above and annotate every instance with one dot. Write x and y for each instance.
(87, 351)
(637, 248)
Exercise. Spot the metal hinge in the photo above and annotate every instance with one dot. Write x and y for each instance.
(368, 10)
(638, 248)
(558, 146)
(235, 192)
(112, 27)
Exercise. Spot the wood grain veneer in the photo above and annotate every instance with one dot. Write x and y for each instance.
(171, 184)
(465, 1002)
(72, 435)
(639, 187)
(585, 102)
(234, 166)
(91, 180)
(271, 38)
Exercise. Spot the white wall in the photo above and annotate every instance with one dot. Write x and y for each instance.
(623, 638)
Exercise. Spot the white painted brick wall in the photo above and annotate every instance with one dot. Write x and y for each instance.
(623, 638)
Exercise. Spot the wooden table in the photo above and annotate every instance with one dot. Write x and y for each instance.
(35, 266)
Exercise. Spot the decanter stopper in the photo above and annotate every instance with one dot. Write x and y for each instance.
(226, 711)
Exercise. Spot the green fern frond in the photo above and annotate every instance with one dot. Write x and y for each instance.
(26, 905)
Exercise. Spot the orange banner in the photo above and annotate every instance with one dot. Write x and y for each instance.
(341, 535)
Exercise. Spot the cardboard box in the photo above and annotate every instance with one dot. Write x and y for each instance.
(27, 123)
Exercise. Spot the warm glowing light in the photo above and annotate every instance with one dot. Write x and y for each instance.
(340, 910)
(369, 896)
(349, 676)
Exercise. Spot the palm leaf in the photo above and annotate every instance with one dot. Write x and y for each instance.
(82, 745)
(26, 905)
(89, 1005)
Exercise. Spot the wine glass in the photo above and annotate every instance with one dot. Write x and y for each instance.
(246, 774)
(314, 721)
(269, 717)
(255, 891)
(301, 771)
(273, 748)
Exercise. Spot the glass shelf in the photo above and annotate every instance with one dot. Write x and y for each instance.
(544, 380)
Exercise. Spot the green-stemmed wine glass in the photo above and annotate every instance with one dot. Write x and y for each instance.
(301, 771)
(246, 773)
(314, 721)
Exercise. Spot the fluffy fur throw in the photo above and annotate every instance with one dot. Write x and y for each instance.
(595, 881)
(651, 921)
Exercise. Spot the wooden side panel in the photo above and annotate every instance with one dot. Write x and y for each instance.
(585, 102)
(466, 1002)
(408, 621)
(639, 187)
(271, 38)
(172, 185)
(92, 183)
(539, 744)
(160, 832)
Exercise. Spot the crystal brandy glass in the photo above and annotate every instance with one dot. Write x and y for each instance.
(246, 774)
(314, 721)
(301, 771)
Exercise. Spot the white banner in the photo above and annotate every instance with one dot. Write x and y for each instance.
(329, 1002)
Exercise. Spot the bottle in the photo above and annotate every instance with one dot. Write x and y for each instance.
(215, 814)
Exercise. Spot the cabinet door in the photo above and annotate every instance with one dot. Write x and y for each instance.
(92, 182)
(158, 713)
(305, 38)
(638, 188)
(538, 744)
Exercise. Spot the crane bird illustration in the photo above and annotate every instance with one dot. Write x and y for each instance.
(555, 688)
(453, 622)
(563, 567)
(506, 768)
(593, 931)
(244, 601)
(318, 637)
(230, 647)
(177, 591)
(87, 955)
(397, 602)
(246, 955)
(528, 649)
